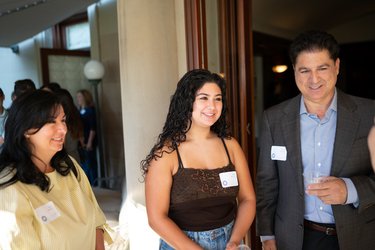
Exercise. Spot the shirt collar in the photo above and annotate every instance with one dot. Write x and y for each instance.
(332, 106)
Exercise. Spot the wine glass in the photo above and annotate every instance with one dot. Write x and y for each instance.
(243, 247)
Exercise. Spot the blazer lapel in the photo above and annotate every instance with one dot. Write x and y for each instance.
(291, 127)
(347, 123)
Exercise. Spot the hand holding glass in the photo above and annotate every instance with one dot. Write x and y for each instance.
(313, 176)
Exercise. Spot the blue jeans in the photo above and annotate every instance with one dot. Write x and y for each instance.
(215, 239)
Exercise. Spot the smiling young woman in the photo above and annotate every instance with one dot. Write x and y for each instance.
(197, 178)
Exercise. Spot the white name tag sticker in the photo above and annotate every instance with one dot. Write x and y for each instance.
(228, 179)
(47, 212)
(278, 153)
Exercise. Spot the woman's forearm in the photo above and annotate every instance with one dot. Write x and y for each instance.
(99, 239)
(244, 219)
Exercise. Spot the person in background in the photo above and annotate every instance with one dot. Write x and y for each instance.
(73, 119)
(46, 199)
(199, 193)
(52, 86)
(22, 86)
(325, 130)
(88, 142)
(3, 115)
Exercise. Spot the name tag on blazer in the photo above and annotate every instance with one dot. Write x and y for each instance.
(278, 153)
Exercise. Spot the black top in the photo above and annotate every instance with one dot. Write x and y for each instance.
(198, 201)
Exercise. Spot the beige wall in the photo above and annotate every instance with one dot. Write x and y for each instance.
(152, 58)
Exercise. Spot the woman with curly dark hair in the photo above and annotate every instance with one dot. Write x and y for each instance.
(46, 199)
(199, 193)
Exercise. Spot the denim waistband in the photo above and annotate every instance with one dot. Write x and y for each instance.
(211, 234)
(215, 239)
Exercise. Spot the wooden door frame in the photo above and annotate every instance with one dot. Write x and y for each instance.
(236, 63)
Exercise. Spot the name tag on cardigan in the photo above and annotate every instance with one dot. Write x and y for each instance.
(47, 212)
(228, 179)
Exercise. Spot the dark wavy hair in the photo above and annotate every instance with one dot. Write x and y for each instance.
(30, 111)
(178, 120)
(314, 40)
(51, 86)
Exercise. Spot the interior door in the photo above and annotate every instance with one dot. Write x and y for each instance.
(65, 67)
(219, 38)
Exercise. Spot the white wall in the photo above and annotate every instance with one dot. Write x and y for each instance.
(22, 65)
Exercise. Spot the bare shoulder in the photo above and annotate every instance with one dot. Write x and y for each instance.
(165, 160)
(239, 160)
(232, 144)
(234, 149)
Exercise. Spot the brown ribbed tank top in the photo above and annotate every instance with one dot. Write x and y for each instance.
(198, 201)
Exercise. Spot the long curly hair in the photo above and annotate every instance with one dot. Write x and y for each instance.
(179, 121)
(30, 111)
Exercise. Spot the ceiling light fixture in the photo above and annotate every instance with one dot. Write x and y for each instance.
(24, 7)
(279, 68)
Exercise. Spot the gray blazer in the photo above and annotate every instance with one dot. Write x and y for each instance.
(279, 184)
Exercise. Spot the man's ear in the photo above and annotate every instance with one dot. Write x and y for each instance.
(337, 65)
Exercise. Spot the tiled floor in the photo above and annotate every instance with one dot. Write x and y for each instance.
(132, 229)
(110, 202)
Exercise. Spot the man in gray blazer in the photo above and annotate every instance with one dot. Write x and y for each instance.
(324, 131)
